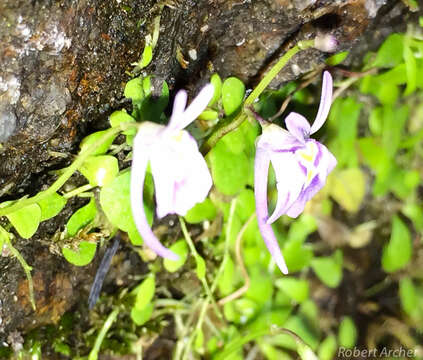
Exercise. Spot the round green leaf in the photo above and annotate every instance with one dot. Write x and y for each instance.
(216, 81)
(140, 317)
(329, 269)
(347, 333)
(100, 170)
(408, 296)
(93, 138)
(296, 289)
(26, 220)
(201, 212)
(116, 203)
(81, 218)
(145, 293)
(134, 90)
(82, 257)
(397, 253)
(51, 206)
(180, 248)
(233, 91)
(120, 116)
(208, 115)
(327, 348)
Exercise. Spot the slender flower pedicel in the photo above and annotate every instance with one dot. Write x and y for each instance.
(301, 166)
(180, 173)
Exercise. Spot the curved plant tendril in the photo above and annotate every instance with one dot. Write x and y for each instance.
(258, 90)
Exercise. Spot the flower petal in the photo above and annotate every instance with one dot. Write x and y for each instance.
(290, 181)
(298, 206)
(325, 102)
(276, 139)
(298, 126)
(261, 168)
(180, 121)
(177, 117)
(139, 166)
(180, 174)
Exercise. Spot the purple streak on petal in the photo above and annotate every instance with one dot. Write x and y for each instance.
(298, 126)
(261, 170)
(325, 102)
(303, 168)
(318, 155)
(291, 150)
(312, 189)
(139, 166)
(327, 161)
(197, 106)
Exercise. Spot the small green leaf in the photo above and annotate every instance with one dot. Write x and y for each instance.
(347, 335)
(297, 255)
(216, 81)
(92, 139)
(227, 279)
(51, 206)
(348, 188)
(329, 269)
(199, 340)
(82, 257)
(411, 69)
(116, 203)
(201, 212)
(119, 117)
(233, 91)
(296, 289)
(408, 296)
(391, 51)
(145, 293)
(81, 218)
(180, 248)
(147, 56)
(134, 90)
(415, 213)
(337, 58)
(201, 267)
(140, 317)
(100, 170)
(397, 253)
(327, 348)
(26, 220)
(208, 115)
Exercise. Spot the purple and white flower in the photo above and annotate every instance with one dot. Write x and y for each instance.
(301, 166)
(180, 173)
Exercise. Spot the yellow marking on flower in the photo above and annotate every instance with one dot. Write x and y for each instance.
(178, 136)
(307, 157)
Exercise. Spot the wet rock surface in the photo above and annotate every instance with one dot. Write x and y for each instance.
(62, 72)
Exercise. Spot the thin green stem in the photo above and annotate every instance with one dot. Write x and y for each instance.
(24, 265)
(78, 191)
(227, 242)
(258, 90)
(102, 334)
(197, 256)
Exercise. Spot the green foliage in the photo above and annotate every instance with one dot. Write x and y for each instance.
(180, 248)
(83, 256)
(329, 269)
(116, 204)
(94, 138)
(296, 289)
(100, 170)
(201, 212)
(408, 295)
(26, 220)
(143, 305)
(337, 58)
(216, 81)
(347, 335)
(233, 91)
(51, 206)
(81, 218)
(397, 253)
